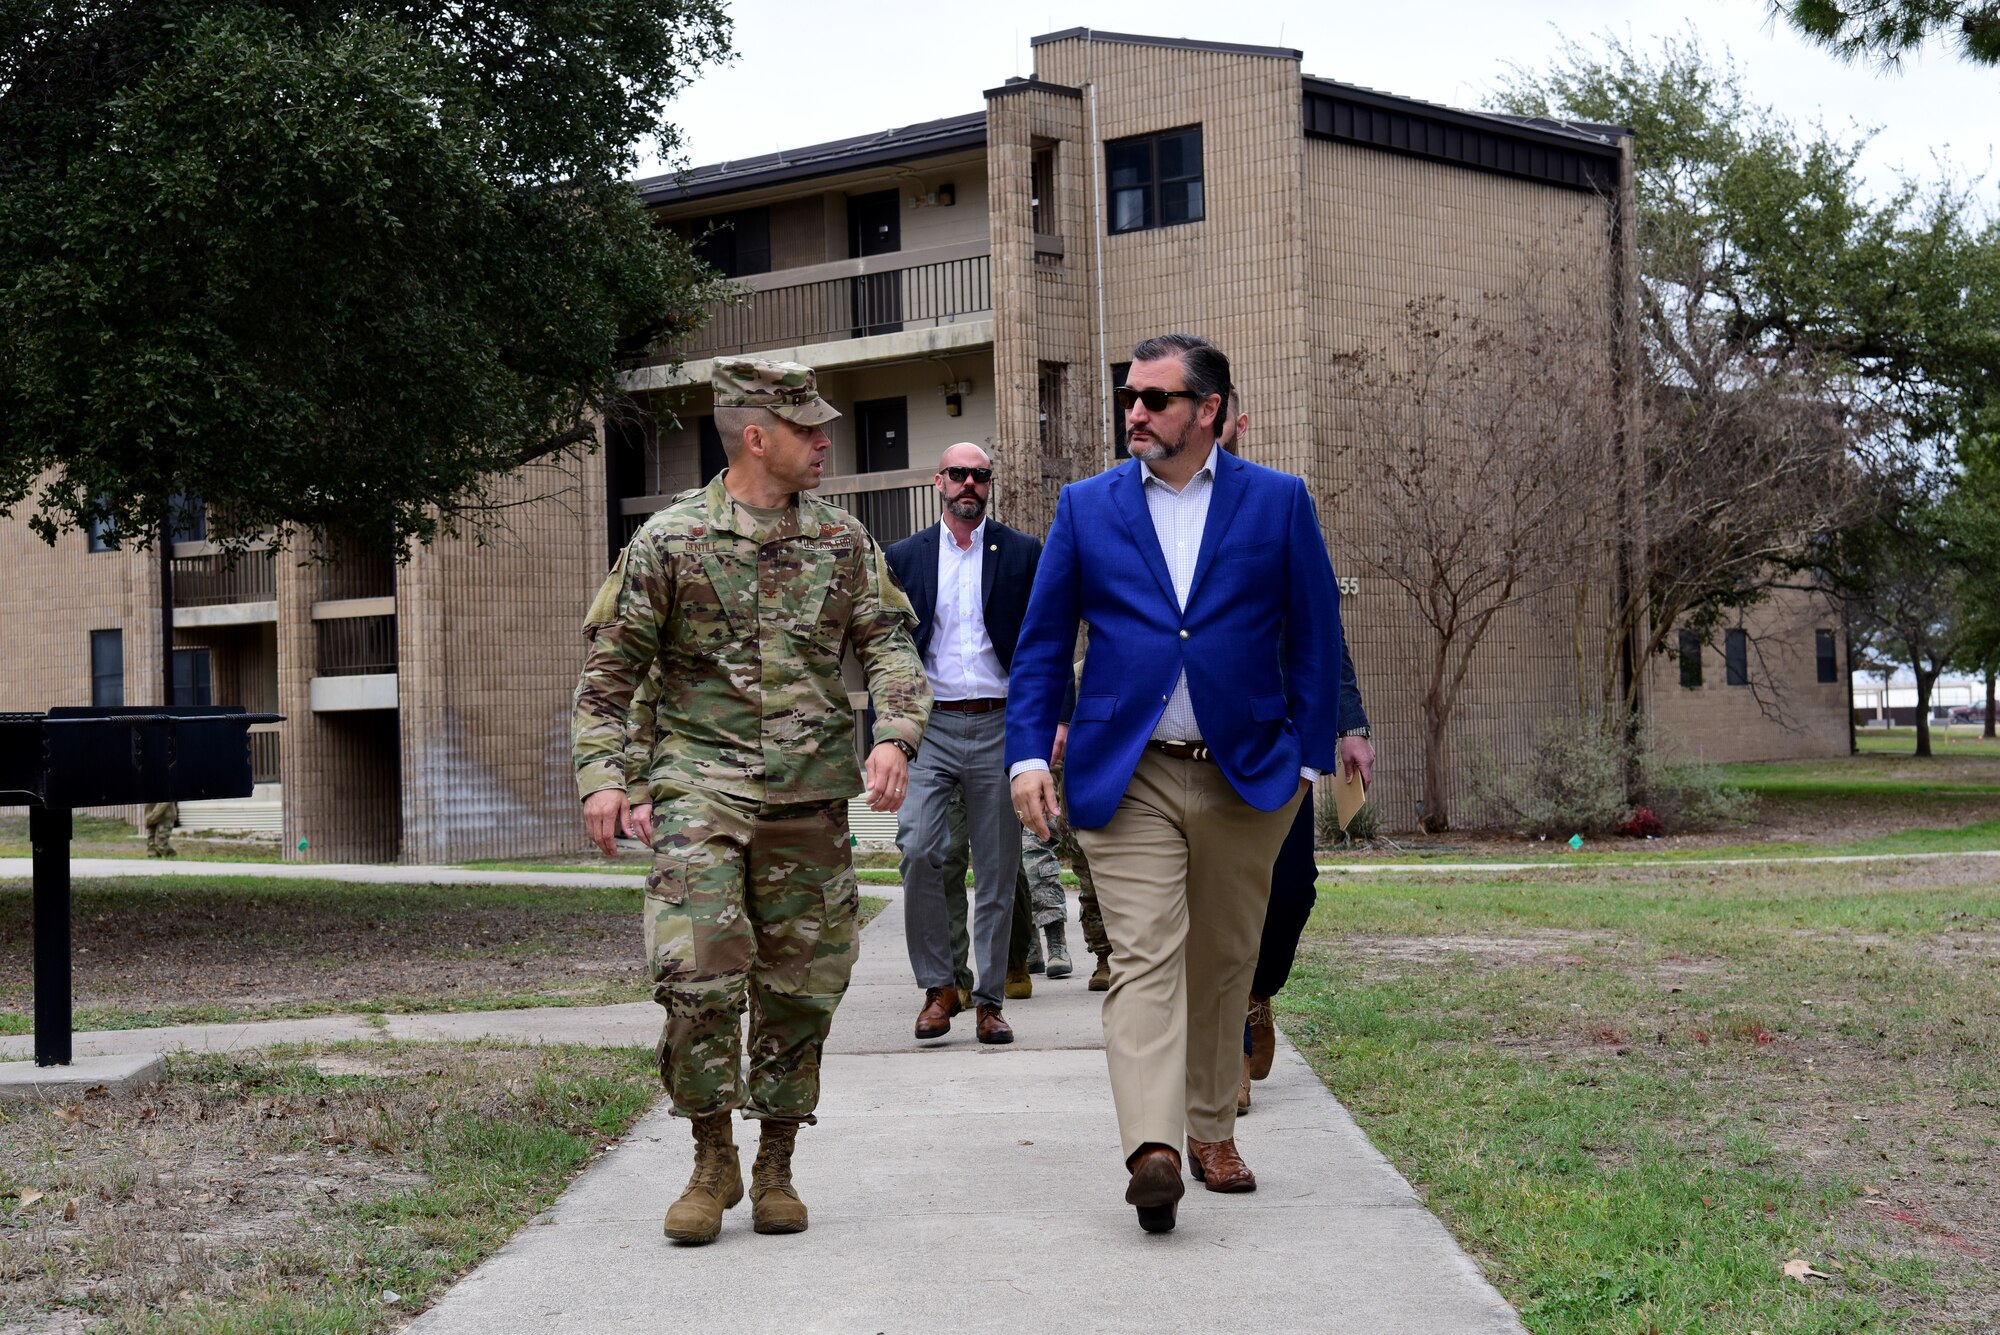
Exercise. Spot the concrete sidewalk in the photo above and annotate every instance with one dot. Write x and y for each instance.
(956, 1187)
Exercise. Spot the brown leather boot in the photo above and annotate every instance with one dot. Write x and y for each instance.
(1217, 1166)
(1263, 1037)
(1100, 977)
(774, 1206)
(717, 1183)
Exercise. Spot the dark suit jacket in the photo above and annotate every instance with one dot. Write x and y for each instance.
(1007, 573)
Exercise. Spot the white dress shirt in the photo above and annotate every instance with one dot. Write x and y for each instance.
(1179, 520)
(961, 661)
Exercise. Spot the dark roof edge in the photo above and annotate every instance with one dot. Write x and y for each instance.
(1566, 134)
(928, 139)
(1033, 86)
(1183, 43)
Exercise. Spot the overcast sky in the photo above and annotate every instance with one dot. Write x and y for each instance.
(810, 72)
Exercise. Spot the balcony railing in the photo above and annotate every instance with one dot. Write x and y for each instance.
(357, 574)
(212, 580)
(263, 755)
(890, 514)
(354, 646)
(891, 506)
(881, 294)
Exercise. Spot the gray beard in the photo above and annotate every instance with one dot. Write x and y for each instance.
(966, 507)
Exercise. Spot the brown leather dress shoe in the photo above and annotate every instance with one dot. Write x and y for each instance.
(1156, 1187)
(1217, 1165)
(1263, 1037)
(940, 1004)
(993, 1029)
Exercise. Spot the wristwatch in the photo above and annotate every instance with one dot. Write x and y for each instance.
(909, 752)
(1363, 732)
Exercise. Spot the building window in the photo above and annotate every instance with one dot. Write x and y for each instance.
(1829, 664)
(107, 669)
(1049, 393)
(1042, 188)
(1690, 656)
(103, 534)
(1119, 370)
(1736, 658)
(737, 243)
(189, 518)
(1155, 179)
(192, 686)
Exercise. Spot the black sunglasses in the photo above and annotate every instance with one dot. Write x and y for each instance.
(958, 473)
(1154, 399)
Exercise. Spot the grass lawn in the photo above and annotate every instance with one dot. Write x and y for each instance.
(191, 950)
(327, 1189)
(101, 837)
(1636, 1094)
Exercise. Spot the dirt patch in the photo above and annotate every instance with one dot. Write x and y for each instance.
(238, 1182)
(1496, 952)
(142, 949)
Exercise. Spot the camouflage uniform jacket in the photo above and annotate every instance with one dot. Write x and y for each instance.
(746, 639)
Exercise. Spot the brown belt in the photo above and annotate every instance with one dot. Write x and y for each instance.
(1183, 750)
(985, 706)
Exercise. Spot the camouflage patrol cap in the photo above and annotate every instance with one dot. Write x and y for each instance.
(786, 388)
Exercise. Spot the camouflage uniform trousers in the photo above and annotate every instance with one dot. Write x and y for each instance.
(161, 817)
(747, 904)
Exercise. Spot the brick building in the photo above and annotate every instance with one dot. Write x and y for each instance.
(979, 278)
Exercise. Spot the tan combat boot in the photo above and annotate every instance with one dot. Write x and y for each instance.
(716, 1185)
(774, 1206)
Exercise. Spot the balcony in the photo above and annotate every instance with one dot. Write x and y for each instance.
(891, 506)
(210, 589)
(878, 296)
(355, 664)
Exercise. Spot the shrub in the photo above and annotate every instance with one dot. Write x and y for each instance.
(1575, 782)
(1688, 794)
(1326, 824)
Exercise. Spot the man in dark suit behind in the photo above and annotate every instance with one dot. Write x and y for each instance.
(968, 577)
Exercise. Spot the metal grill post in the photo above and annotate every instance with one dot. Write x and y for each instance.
(48, 835)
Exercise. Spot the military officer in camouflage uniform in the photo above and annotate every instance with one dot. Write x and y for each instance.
(740, 600)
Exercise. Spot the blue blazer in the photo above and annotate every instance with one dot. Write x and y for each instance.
(1259, 641)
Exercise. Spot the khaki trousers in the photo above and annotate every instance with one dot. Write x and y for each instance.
(1183, 874)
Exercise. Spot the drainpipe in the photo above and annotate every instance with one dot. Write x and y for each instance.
(167, 609)
(1097, 265)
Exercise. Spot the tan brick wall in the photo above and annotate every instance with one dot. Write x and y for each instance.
(1386, 230)
(1044, 314)
(341, 787)
(1784, 713)
(491, 643)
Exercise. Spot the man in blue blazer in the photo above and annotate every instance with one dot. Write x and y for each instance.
(968, 577)
(1208, 704)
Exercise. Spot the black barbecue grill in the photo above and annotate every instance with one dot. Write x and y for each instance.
(68, 758)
